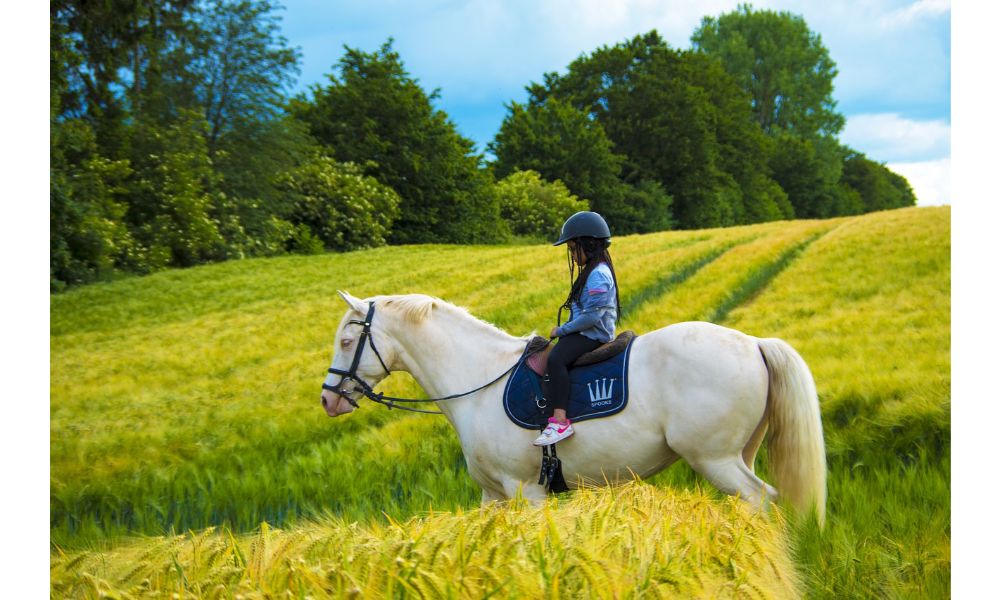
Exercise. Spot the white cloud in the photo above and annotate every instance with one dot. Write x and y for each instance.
(930, 180)
(920, 151)
(890, 137)
(482, 53)
(914, 12)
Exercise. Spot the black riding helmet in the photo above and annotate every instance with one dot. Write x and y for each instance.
(584, 224)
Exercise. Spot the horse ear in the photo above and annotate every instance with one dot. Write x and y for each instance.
(352, 302)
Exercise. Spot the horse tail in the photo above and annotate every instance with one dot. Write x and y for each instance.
(795, 450)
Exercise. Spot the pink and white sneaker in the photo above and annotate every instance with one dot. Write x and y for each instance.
(554, 432)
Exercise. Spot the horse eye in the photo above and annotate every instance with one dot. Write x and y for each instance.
(345, 343)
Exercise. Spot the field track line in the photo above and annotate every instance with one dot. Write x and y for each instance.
(759, 279)
(656, 289)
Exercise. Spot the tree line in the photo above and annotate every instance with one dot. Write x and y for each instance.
(175, 142)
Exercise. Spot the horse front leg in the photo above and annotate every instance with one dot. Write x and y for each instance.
(529, 490)
(492, 495)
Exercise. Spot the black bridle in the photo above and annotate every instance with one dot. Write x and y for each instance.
(389, 401)
(352, 374)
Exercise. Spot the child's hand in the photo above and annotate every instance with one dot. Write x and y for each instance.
(553, 333)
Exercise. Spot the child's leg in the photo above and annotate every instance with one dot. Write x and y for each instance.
(567, 349)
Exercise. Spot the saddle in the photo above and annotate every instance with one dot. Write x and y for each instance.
(539, 348)
(598, 389)
(593, 393)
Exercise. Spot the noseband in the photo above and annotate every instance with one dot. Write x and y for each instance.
(368, 392)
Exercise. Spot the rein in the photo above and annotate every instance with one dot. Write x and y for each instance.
(390, 401)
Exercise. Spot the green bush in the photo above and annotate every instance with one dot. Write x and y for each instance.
(535, 207)
(342, 207)
(304, 241)
(173, 201)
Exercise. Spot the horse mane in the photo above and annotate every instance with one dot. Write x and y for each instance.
(416, 308)
(413, 307)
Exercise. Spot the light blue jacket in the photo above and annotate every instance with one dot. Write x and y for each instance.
(595, 313)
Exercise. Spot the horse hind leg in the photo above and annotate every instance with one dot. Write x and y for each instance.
(735, 478)
(753, 444)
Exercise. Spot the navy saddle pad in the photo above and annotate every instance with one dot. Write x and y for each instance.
(598, 390)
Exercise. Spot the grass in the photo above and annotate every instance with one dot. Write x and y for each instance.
(632, 541)
(189, 399)
(874, 326)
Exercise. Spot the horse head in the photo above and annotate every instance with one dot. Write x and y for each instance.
(362, 351)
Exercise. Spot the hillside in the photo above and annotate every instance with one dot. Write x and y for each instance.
(193, 405)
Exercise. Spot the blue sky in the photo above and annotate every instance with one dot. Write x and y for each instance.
(893, 57)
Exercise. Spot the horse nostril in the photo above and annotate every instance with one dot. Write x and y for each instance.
(322, 401)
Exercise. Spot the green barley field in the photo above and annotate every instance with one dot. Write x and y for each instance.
(190, 457)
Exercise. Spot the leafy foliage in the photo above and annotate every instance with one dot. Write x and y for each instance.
(88, 239)
(172, 206)
(809, 170)
(781, 63)
(680, 122)
(168, 135)
(340, 206)
(240, 68)
(173, 142)
(559, 142)
(788, 73)
(533, 207)
(641, 208)
(376, 114)
(878, 188)
(251, 161)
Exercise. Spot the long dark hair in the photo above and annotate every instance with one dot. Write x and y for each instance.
(596, 252)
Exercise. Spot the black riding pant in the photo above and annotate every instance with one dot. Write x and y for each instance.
(567, 349)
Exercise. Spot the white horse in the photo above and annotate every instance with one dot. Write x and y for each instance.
(697, 391)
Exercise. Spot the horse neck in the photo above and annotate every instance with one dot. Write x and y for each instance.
(451, 353)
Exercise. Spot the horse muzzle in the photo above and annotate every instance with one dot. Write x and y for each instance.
(335, 404)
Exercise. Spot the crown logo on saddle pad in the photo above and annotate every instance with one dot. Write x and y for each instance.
(601, 390)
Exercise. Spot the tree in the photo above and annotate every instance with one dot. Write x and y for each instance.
(681, 122)
(558, 142)
(534, 207)
(115, 61)
(809, 171)
(234, 67)
(184, 102)
(88, 239)
(376, 115)
(241, 68)
(780, 63)
(251, 162)
(742, 147)
(878, 187)
(641, 208)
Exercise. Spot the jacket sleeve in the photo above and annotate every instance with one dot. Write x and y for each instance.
(597, 296)
(585, 320)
